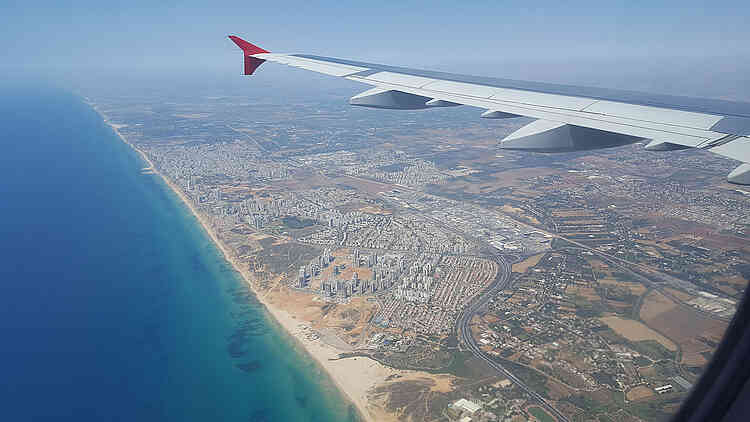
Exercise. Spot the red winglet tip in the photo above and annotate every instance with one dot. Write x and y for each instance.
(248, 48)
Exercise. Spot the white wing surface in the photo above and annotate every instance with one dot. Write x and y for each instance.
(570, 118)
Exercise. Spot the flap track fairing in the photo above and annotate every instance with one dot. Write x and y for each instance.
(548, 136)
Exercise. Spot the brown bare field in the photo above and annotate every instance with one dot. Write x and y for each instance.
(490, 318)
(620, 307)
(647, 371)
(370, 209)
(679, 294)
(635, 287)
(598, 265)
(529, 262)
(723, 242)
(659, 246)
(557, 390)
(691, 352)
(681, 228)
(439, 383)
(636, 331)
(518, 213)
(587, 292)
(236, 189)
(655, 304)
(639, 393)
(364, 185)
(684, 325)
(602, 396)
(515, 176)
(304, 179)
(729, 290)
(738, 282)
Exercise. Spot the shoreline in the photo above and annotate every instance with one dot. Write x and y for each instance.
(338, 370)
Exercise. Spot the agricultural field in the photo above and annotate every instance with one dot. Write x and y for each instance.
(695, 333)
(637, 331)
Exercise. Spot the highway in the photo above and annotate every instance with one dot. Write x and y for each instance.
(502, 281)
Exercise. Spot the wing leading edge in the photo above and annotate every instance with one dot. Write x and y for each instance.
(569, 118)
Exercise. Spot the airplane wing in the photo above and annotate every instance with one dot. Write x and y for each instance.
(569, 118)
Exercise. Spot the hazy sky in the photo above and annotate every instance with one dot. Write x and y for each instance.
(648, 42)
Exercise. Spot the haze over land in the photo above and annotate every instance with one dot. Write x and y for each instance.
(433, 275)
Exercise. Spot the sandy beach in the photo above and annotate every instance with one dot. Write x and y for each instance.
(354, 377)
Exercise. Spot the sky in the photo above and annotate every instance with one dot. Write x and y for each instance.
(669, 46)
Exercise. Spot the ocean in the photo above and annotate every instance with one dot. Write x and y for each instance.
(114, 304)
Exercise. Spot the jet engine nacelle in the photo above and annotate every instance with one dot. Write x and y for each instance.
(547, 136)
(390, 99)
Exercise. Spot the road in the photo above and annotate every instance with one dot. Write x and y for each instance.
(502, 281)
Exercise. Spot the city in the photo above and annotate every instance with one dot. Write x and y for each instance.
(588, 286)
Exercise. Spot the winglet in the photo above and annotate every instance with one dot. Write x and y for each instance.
(249, 50)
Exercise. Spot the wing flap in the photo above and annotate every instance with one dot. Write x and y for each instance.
(544, 100)
(653, 114)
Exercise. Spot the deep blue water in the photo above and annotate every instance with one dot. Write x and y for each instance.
(114, 305)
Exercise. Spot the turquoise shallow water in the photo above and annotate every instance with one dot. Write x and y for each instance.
(114, 304)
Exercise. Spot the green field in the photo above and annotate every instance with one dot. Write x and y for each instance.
(540, 414)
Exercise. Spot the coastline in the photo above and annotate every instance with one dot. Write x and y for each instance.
(370, 373)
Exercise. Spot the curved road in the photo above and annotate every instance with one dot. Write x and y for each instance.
(502, 280)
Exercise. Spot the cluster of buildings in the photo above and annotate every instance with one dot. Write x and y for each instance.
(357, 273)
(474, 222)
(388, 166)
(404, 232)
(201, 164)
(428, 300)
